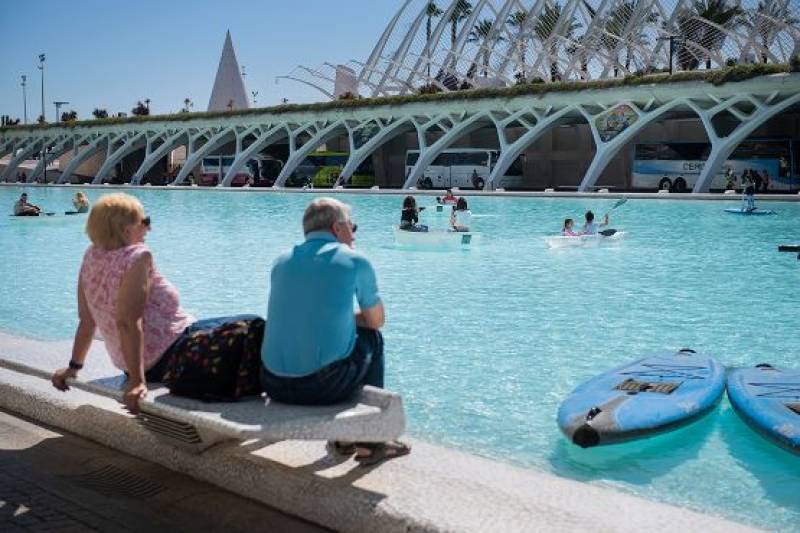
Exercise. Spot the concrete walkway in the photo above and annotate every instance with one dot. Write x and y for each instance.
(54, 481)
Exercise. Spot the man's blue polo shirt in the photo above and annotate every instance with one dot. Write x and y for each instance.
(310, 315)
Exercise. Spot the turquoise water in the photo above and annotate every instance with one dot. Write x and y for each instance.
(483, 344)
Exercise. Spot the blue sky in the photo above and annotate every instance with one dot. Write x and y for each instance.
(111, 53)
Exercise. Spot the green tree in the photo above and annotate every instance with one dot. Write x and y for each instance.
(462, 10)
(519, 20)
(483, 36)
(693, 26)
(140, 110)
(765, 22)
(431, 11)
(69, 116)
(100, 113)
(544, 31)
(626, 16)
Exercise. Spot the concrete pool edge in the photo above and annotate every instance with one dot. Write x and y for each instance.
(611, 195)
(433, 489)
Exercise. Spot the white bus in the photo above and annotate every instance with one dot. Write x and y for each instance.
(677, 165)
(465, 168)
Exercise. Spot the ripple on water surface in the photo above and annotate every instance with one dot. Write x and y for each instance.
(485, 343)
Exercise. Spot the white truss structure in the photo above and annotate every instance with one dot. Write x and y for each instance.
(728, 113)
(453, 44)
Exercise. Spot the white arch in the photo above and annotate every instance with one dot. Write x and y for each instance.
(52, 152)
(428, 154)
(133, 143)
(243, 156)
(82, 155)
(26, 151)
(155, 156)
(196, 156)
(297, 155)
(382, 137)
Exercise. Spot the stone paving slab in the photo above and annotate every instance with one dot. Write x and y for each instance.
(432, 489)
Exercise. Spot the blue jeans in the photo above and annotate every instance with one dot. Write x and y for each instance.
(336, 382)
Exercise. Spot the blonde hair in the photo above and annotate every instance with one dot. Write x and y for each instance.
(81, 198)
(109, 217)
(323, 213)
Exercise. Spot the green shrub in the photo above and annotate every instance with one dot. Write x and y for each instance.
(326, 177)
(362, 180)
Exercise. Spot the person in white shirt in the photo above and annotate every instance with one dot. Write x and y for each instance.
(461, 218)
(590, 227)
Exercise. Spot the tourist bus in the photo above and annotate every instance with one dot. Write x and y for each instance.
(677, 165)
(322, 169)
(465, 168)
(260, 171)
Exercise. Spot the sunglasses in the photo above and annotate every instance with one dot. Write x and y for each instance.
(146, 221)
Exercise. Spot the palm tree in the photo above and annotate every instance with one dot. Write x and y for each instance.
(625, 16)
(692, 26)
(431, 11)
(462, 10)
(519, 20)
(544, 30)
(762, 22)
(485, 39)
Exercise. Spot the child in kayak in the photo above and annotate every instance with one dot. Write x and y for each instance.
(409, 217)
(567, 230)
(590, 228)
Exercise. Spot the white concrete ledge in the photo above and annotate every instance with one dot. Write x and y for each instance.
(777, 197)
(433, 489)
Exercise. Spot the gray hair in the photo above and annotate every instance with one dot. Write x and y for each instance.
(323, 213)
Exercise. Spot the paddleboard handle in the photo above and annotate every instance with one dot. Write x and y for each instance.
(686, 350)
(586, 436)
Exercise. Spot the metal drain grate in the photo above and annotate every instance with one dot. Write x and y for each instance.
(172, 429)
(114, 481)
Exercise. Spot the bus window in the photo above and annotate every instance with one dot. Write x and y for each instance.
(685, 151)
(474, 159)
(338, 160)
(227, 161)
(646, 152)
(211, 161)
(442, 160)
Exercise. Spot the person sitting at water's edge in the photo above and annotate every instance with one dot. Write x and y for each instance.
(316, 350)
(138, 312)
(80, 203)
(567, 230)
(409, 217)
(590, 227)
(461, 217)
(23, 209)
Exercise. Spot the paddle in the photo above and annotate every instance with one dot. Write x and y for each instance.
(607, 232)
(618, 203)
(610, 232)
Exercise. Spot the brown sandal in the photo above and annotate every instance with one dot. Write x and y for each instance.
(372, 453)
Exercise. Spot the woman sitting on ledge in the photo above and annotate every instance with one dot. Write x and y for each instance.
(137, 310)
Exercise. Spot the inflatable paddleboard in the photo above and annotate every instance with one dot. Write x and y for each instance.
(642, 398)
(562, 241)
(752, 212)
(768, 400)
(436, 239)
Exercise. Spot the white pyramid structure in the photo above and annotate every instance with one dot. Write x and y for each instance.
(228, 92)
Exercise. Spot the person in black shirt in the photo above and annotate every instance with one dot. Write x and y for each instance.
(409, 218)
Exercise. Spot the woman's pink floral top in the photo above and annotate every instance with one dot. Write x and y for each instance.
(163, 320)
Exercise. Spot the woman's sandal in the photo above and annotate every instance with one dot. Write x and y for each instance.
(341, 447)
(372, 453)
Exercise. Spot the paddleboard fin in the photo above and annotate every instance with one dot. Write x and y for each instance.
(586, 436)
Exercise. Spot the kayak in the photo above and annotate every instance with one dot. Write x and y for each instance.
(436, 239)
(752, 212)
(563, 241)
(650, 395)
(768, 400)
(439, 210)
(49, 217)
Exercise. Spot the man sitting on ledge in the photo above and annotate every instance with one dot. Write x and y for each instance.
(316, 350)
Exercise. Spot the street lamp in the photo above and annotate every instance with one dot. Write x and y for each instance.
(41, 67)
(58, 107)
(24, 97)
(254, 93)
(147, 103)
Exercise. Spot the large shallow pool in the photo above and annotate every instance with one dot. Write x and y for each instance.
(484, 344)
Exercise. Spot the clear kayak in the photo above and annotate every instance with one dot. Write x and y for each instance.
(749, 212)
(436, 239)
(562, 241)
(49, 217)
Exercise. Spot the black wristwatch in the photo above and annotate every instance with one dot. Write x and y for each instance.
(75, 366)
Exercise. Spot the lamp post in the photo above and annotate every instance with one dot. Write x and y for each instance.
(147, 103)
(41, 67)
(254, 93)
(58, 107)
(24, 97)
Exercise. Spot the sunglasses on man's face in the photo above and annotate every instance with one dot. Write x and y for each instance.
(146, 222)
